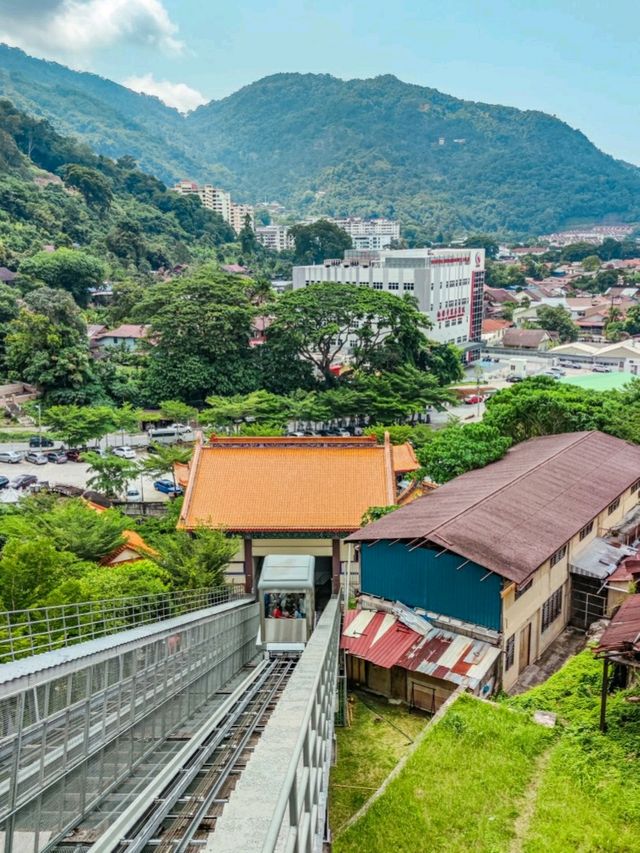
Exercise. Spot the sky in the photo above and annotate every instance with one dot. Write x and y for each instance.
(576, 60)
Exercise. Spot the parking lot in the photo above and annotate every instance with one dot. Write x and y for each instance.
(73, 474)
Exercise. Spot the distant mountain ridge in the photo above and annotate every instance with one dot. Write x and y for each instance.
(365, 147)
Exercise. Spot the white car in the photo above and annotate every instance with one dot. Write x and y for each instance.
(134, 495)
(12, 456)
(124, 452)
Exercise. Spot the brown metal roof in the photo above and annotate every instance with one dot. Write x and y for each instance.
(623, 632)
(513, 515)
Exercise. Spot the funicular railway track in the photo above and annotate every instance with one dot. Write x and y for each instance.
(184, 812)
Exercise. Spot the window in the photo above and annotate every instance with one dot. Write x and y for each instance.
(393, 285)
(560, 553)
(635, 486)
(377, 285)
(509, 652)
(551, 609)
(520, 590)
(613, 506)
(586, 530)
(408, 285)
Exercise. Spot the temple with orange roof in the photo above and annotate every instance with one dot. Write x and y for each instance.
(290, 495)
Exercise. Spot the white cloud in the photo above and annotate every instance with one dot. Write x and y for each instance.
(177, 95)
(75, 29)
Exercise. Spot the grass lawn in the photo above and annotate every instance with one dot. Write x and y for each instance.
(588, 798)
(461, 789)
(380, 734)
(487, 779)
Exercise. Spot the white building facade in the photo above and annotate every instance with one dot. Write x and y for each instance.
(219, 201)
(447, 284)
(370, 234)
(275, 237)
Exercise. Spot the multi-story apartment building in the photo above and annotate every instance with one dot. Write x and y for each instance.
(238, 214)
(219, 201)
(275, 237)
(370, 234)
(447, 284)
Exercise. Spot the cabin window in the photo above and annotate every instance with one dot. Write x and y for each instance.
(560, 553)
(285, 605)
(613, 506)
(635, 486)
(509, 652)
(551, 609)
(520, 590)
(586, 530)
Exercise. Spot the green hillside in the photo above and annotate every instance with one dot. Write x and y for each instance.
(367, 147)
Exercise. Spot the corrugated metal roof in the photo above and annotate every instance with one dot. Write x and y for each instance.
(382, 639)
(623, 632)
(512, 515)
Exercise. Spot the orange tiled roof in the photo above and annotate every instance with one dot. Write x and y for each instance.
(285, 484)
(404, 458)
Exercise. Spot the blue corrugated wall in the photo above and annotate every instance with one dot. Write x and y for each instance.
(418, 579)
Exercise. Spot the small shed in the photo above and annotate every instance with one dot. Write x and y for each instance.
(620, 646)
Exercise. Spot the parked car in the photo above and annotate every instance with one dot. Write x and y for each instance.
(134, 495)
(35, 457)
(559, 371)
(600, 368)
(23, 480)
(472, 399)
(12, 456)
(58, 457)
(166, 486)
(124, 452)
(551, 373)
(4, 482)
(40, 441)
(513, 377)
(74, 454)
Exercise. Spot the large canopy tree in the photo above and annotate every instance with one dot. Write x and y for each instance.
(67, 269)
(323, 323)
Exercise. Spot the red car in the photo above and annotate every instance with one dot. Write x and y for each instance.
(473, 398)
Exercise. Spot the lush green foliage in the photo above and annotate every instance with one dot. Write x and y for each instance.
(557, 319)
(196, 560)
(457, 449)
(316, 242)
(323, 145)
(543, 406)
(110, 474)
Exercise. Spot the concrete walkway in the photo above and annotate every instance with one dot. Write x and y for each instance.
(571, 641)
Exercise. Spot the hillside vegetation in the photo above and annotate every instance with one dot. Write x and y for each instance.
(365, 147)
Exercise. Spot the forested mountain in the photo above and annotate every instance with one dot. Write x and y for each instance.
(367, 147)
(54, 190)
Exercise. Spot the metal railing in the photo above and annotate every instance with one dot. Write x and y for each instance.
(42, 629)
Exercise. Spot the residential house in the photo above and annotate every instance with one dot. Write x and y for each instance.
(489, 554)
(128, 335)
(529, 339)
(493, 331)
(290, 495)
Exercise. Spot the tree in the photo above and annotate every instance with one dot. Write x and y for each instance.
(201, 326)
(96, 189)
(557, 319)
(124, 580)
(318, 241)
(67, 269)
(631, 323)
(49, 347)
(110, 474)
(164, 459)
(30, 568)
(376, 512)
(126, 241)
(247, 237)
(196, 560)
(323, 322)
(77, 425)
(178, 412)
(444, 361)
(71, 525)
(483, 241)
(456, 449)
(591, 263)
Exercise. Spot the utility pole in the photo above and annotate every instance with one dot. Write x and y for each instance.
(39, 407)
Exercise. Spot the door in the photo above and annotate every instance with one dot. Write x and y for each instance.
(525, 647)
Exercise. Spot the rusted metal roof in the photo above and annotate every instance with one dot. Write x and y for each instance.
(623, 632)
(382, 639)
(512, 515)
